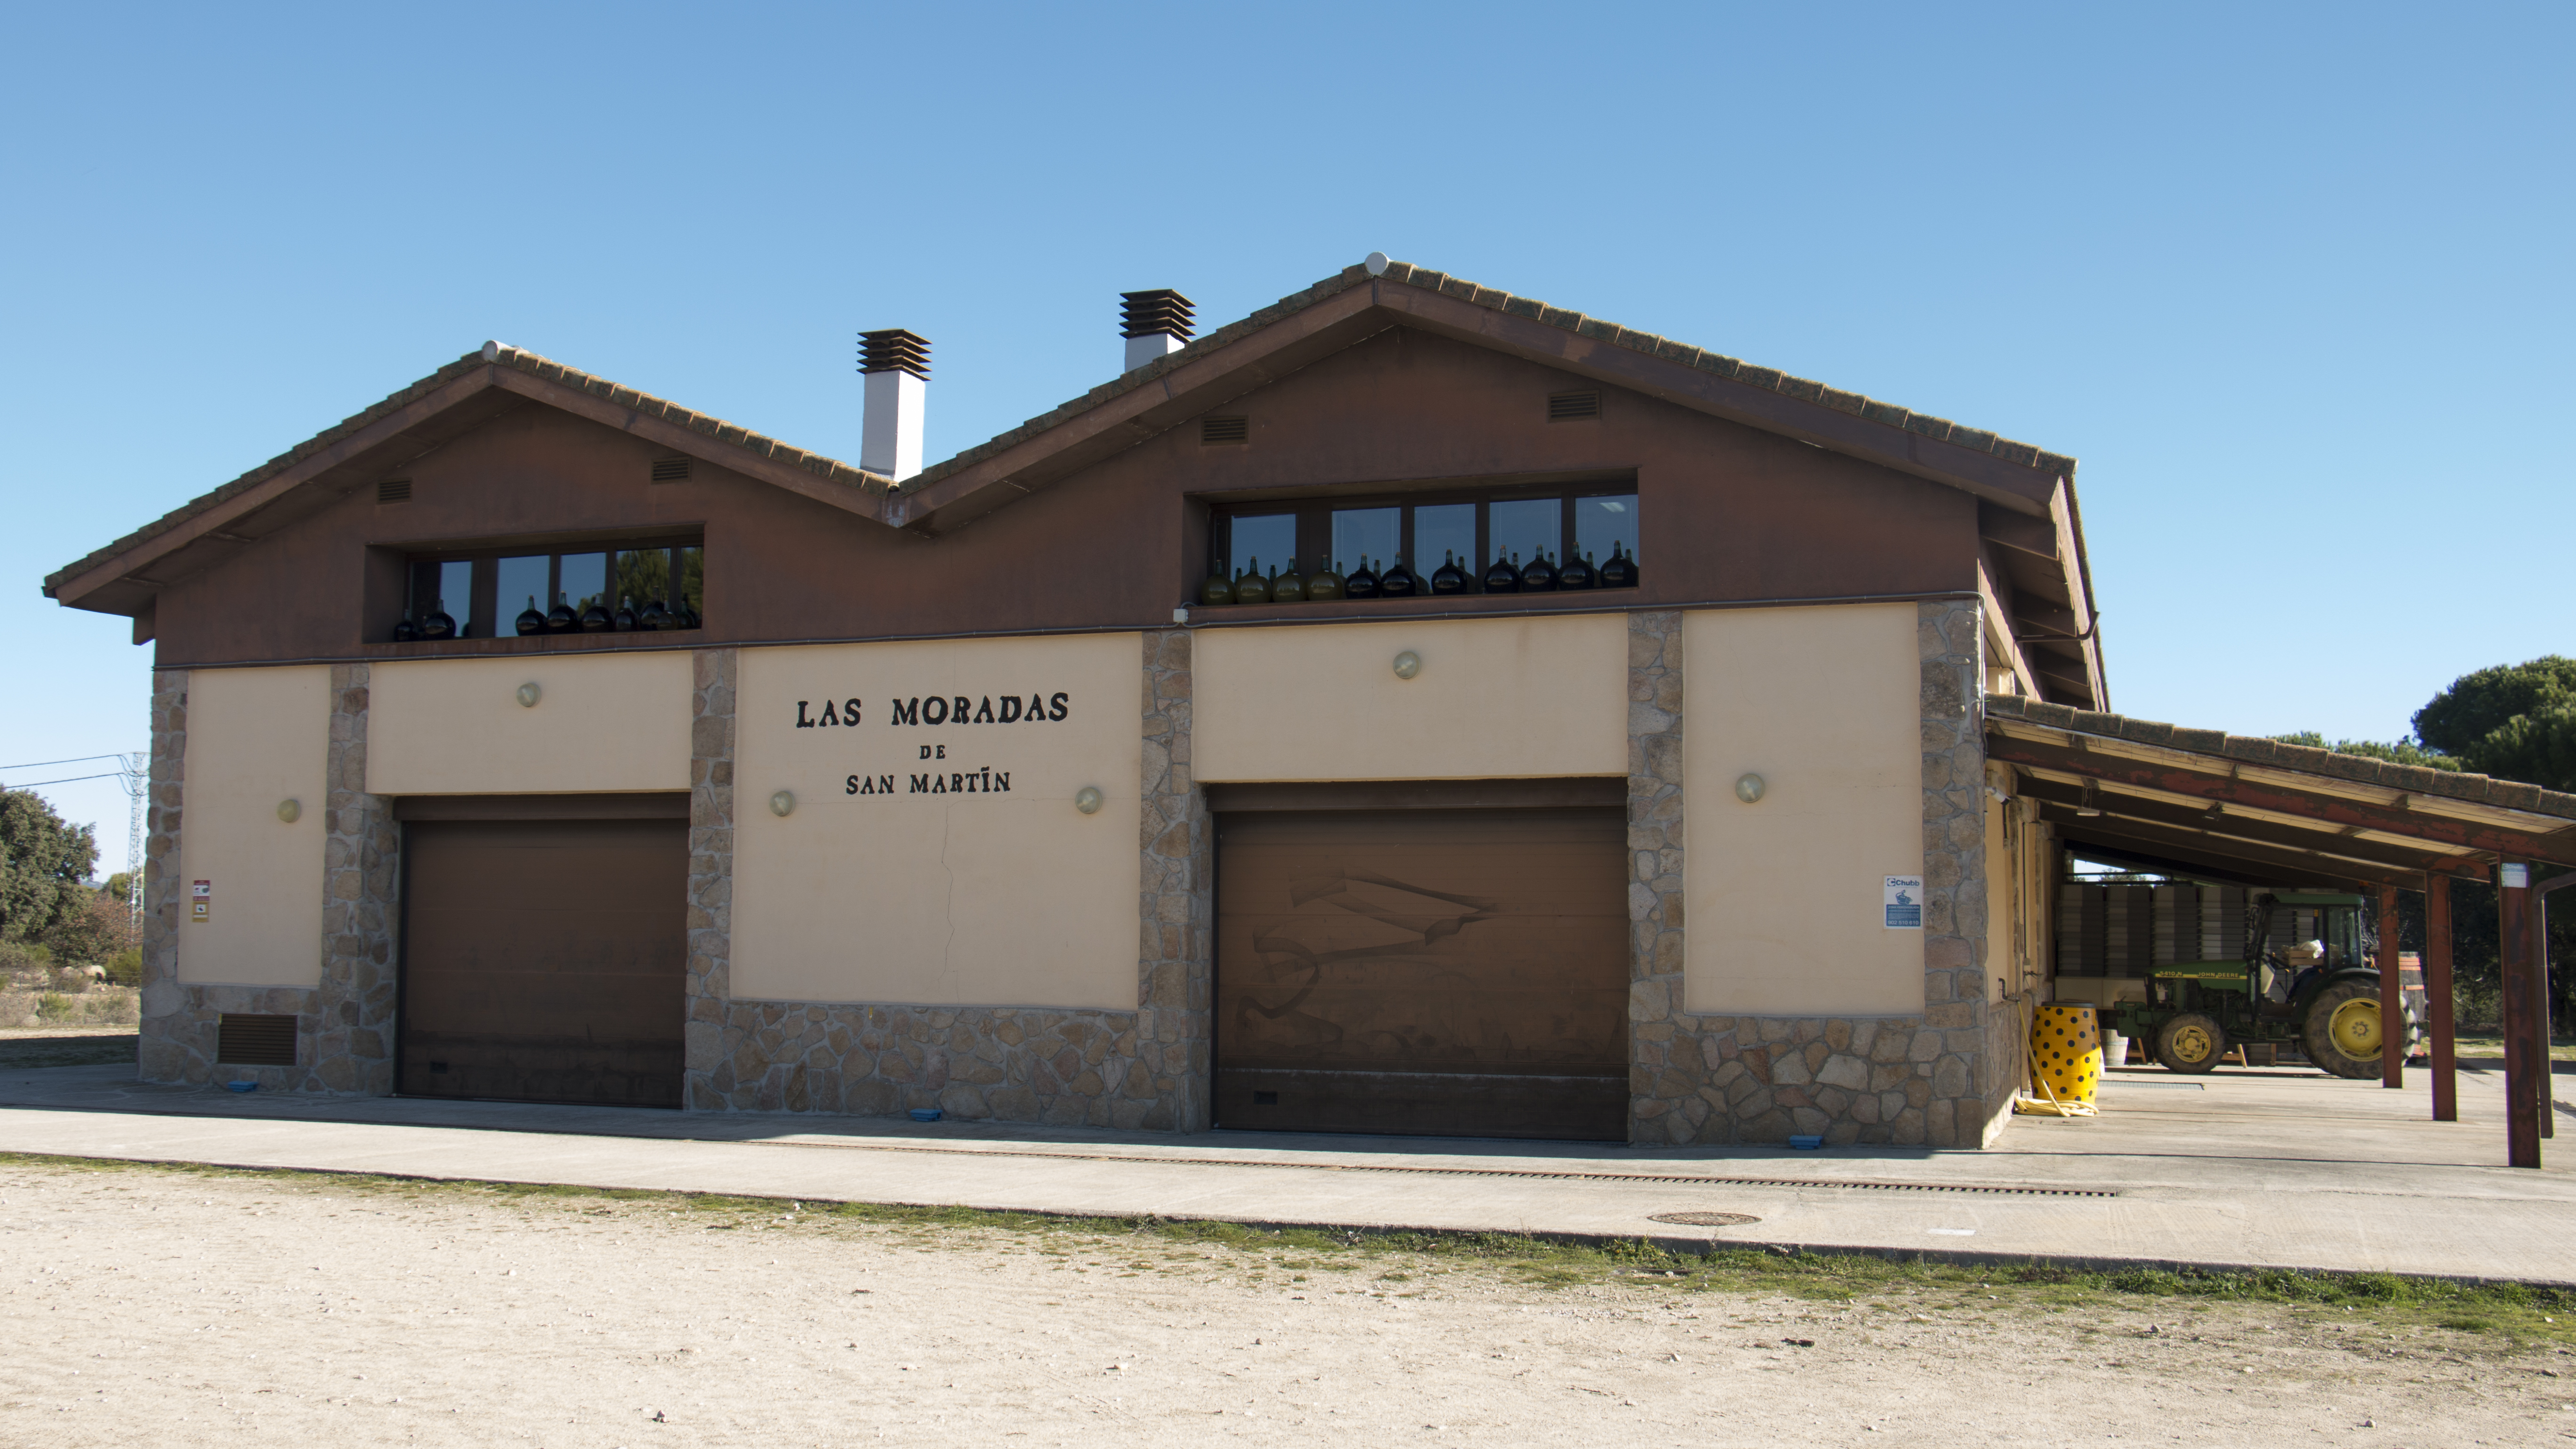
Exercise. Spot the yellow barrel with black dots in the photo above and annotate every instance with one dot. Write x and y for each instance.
(2066, 1051)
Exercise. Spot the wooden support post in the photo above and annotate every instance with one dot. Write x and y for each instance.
(2437, 997)
(2521, 1063)
(2392, 995)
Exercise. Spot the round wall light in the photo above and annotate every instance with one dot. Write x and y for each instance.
(290, 811)
(1407, 664)
(1087, 799)
(529, 694)
(1749, 787)
(782, 804)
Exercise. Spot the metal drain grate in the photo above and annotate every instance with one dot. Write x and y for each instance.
(1982, 1189)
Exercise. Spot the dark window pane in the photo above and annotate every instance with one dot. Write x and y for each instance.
(585, 579)
(1270, 538)
(1444, 531)
(1601, 522)
(424, 589)
(693, 580)
(522, 585)
(1370, 533)
(1523, 528)
(643, 577)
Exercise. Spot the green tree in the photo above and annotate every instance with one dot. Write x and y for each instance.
(43, 864)
(96, 932)
(2538, 748)
(2403, 752)
(117, 887)
(2459, 719)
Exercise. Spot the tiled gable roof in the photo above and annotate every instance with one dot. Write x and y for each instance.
(1647, 343)
(518, 359)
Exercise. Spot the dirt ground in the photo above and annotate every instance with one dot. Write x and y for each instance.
(147, 1305)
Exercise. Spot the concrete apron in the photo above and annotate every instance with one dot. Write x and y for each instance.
(2268, 1168)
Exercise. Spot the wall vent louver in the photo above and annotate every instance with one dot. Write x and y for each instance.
(670, 470)
(1225, 430)
(393, 490)
(1564, 405)
(255, 1039)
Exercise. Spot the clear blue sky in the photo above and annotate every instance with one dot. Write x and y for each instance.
(2292, 283)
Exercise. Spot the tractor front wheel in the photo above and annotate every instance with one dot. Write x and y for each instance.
(2341, 1034)
(2192, 1042)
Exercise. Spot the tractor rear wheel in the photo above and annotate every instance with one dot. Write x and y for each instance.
(2192, 1042)
(2341, 1034)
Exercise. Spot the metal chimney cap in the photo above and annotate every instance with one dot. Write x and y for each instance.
(1375, 263)
(893, 349)
(1159, 311)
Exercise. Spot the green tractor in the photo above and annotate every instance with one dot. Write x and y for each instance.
(2320, 994)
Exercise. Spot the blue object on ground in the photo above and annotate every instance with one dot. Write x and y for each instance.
(1807, 1142)
(241, 1086)
(925, 1114)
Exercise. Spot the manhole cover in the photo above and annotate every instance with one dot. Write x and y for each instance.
(1705, 1220)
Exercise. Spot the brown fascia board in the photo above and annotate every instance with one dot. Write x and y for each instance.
(127, 574)
(1672, 379)
(124, 577)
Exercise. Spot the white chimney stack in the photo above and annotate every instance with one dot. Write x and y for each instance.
(1157, 324)
(896, 365)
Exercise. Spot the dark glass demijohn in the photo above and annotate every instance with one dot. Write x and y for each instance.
(1539, 576)
(1398, 583)
(406, 631)
(1619, 570)
(440, 624)
(1575, 573)
(1216, 590)
(654, 616)
(530, 620)
(595, 619)
(626, 620)
(1448, 578)
(1249, 586)
(561, 619)
(1288, 588)
(1504, 577)
(1362, 582)
(1325, 582)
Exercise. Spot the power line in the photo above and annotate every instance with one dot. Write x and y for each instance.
(74, 760)
(68, 780)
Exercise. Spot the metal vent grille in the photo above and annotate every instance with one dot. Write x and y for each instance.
(255, 1040)
(1225, 430)
(393, 490)
(1565, 405)
(670, 470)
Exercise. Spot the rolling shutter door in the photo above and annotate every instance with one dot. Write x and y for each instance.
(543, 960)
(1423, 971)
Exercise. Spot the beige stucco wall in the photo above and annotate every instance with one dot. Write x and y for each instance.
(1784, 895)
(984, 898)
(602, 723)
(256, 737)
(1495, 699)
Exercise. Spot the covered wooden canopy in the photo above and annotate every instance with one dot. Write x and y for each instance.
(2224, 807)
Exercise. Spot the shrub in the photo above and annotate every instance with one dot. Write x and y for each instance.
(125, 968)
(95, 932)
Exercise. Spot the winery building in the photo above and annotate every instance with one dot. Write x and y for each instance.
(1596, 749)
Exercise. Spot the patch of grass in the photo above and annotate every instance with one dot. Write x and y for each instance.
(2513, 1312)
(67, 1051)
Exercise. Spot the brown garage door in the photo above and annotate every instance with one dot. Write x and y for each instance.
(543, 959)
(1423, 971)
